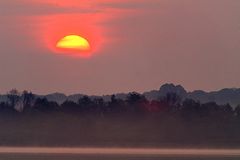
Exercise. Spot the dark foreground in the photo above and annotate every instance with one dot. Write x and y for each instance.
(134, 122)
(153, 131)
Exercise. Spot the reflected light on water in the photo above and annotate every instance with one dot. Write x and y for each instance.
(122, 151)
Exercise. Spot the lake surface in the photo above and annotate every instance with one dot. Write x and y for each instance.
(81, 157)
(13, 153)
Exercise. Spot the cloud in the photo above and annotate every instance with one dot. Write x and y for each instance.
(9, 8)
(46, 7)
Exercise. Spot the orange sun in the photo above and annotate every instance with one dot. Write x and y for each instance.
(73, 43)
(65, 34)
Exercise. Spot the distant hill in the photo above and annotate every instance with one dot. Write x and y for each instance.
(57, 97)
(224, 96)
(164, 90)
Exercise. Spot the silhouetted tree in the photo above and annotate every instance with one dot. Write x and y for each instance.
(155, 106)
(116, 105)
(226, 112)
(237, 111)
(70, 106)
(13, 97)
(190, 108)
(85, 103)
(6, 108)
(28, 100)
(210, 109)
(99, 105)
(43, 105)
(136, 102)
(171, 102)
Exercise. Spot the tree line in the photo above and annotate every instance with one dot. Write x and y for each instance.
(135, 103)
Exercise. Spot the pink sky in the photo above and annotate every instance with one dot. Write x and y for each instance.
(138, 45)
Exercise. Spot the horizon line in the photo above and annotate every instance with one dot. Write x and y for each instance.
(121, 92)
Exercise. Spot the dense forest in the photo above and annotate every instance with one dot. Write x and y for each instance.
(134, 122)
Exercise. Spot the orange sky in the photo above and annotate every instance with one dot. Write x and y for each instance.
(66, 25)
(85, 19)
(137, 45)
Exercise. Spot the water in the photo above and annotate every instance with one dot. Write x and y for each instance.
(10, 153)
(101, 157)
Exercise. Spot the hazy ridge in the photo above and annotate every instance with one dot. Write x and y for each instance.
(224, 96)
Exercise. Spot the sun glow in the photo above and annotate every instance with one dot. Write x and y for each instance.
(74, 42)
(66, 35)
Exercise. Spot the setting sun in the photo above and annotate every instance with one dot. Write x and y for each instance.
(74, 42)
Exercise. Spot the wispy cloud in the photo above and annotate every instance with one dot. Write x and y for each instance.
(31, 9)
(45, 7)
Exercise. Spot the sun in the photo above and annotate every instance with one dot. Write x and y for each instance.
(73, 42)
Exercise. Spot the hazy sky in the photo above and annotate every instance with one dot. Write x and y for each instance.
(138, 45)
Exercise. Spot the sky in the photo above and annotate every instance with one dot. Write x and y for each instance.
(136, 45)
